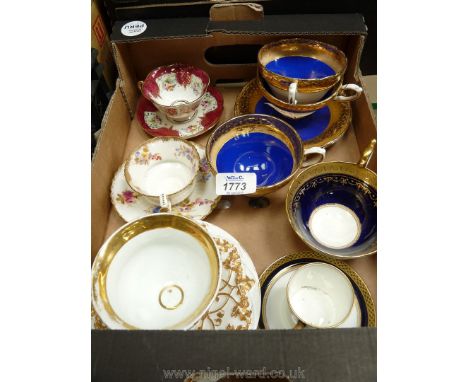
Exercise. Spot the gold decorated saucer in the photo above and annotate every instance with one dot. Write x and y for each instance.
(322, 128)
(238, 302)
(362, 294)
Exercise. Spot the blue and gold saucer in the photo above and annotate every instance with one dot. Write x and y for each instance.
(322, 128)
(273, 316)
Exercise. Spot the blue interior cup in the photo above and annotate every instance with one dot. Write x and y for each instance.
(262, 144)
(333, 208)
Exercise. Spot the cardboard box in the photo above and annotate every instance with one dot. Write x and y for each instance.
(100, 41)
(326, 355)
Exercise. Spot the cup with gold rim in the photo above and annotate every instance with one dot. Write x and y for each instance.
(161, 271)
(262, 144)
(332, 207)
(163, 170)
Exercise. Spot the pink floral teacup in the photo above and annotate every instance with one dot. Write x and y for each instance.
(175, 90)
(163, 170)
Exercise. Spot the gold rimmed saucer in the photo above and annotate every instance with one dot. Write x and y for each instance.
(367, 307)
(321, 129)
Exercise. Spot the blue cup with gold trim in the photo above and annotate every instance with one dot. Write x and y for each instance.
(332, 207)
(301, 70)
(262, 144)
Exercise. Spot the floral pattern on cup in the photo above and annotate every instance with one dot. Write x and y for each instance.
(169, 81)
(176, 90)
(144, 156)
(130, 205)
(186, 152)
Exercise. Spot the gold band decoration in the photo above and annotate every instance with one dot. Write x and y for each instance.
(165, 294)
(326, 53)
(232, 302)
(127, 232)
(357, 175)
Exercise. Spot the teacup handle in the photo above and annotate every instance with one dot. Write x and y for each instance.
(292, 93)
(357, 90)
(140, 86)
(367, 154)
(164, 203)
(314, 150)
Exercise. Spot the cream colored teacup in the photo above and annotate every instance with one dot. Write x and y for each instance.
(163, 170)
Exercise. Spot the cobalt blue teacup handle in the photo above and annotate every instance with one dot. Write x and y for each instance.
(367, 154)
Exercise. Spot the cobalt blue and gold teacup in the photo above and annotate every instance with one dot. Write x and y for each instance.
(332, 207)
(339, 92)
(301, 70)
(262, 144)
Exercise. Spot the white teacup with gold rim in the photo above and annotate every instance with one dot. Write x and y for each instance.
(163, 169)
(161, 271)
(320, 295)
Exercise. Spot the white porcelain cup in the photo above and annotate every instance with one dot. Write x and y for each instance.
(320, 295)
(163, 170)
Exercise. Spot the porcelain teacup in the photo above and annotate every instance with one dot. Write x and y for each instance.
(332, 207)
(262, 144)
(163, 169)
(176, 90)
(299, 70)
(339, 92)
(161, 271)
(320, 295)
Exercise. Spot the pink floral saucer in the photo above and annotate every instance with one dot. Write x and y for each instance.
(155, 123)
(200, 203)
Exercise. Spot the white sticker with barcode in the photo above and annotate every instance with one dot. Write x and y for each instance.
(235, 183)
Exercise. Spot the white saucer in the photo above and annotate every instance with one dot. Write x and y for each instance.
(334, 226)
(276, 313)
(238, 304)
(201, 202)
